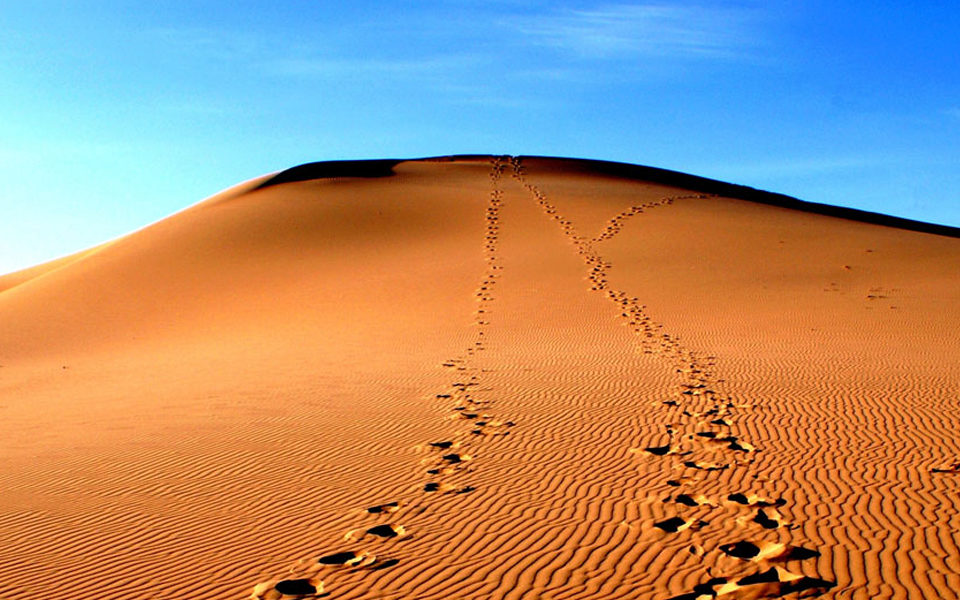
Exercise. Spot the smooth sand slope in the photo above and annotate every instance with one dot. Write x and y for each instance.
(485, 378)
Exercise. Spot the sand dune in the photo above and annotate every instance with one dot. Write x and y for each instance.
(482, 377)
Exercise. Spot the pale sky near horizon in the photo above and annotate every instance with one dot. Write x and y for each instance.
(114, 114)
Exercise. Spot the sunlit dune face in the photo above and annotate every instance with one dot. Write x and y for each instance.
(484, 377)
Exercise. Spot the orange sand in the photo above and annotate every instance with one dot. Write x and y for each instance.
(633, 390)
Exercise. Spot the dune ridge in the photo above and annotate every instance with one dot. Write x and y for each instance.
(496, 377)
(643, 173)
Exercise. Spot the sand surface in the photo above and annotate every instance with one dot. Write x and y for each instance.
(484, 378)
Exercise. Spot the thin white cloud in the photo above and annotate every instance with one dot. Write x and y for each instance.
(41, 150)
(203, 107)
(644, 30)
(786, 167)
(209, 42)
(313, 66)
(473, 94)
(327, 62)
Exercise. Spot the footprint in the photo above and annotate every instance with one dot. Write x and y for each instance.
(385, 564)
(785, 582)
(772, 583)
(772, 551)
(677, 524)
(349, 558)
(732, 441)
(705, 466)
(446, 488)
(682, 481)
(442, 488)
(457, 458)
(703, 591)
(287, 588)
(388, 530)
(389, 507)
(694, 500)
(442, 471)
(489, 433)
(661, 450)
(755, 500)
(495, 423)
(739, 445)
(952, 468)
(768, 519)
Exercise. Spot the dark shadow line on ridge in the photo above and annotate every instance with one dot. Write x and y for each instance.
(384, 168)
(331, 169)
(742, 192)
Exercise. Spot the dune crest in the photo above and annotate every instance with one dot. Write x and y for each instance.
(486, 377)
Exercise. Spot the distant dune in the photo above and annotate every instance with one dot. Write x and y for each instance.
(486, 377)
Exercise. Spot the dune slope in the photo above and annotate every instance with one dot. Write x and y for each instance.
(481, 377)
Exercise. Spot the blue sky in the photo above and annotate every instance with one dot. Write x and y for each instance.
(114, 114)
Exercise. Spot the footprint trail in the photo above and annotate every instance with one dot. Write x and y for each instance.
(700, 432)
(450, 461)
(700, 442)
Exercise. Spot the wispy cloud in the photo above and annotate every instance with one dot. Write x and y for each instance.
(644, 29)
(277, 56)
(209, 42)
(356, 67)
(199, 107)
(805, 166)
